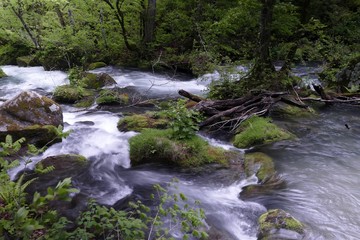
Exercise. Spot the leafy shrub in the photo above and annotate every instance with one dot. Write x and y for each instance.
(183, 122)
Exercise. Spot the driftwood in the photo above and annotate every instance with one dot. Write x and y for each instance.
(231, 113)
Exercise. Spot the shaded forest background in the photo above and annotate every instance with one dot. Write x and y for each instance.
(193, 36)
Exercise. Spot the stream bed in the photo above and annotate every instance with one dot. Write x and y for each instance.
(321, 167)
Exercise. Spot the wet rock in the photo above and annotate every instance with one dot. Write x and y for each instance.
(112, 97)
(72, 94)
(155, 146)
(2, 74)
(276, 224)
(95, 65)
(282, 110)
(138, 122)
(32, 116)
(97, 81)
(263, 167)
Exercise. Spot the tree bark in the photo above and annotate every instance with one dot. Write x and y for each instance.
(19, 15)
(264, 60)
(60, 16)
(149, 22)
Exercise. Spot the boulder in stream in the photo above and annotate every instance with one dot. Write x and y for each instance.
(97, 81)
(257, 130)
(2, 74)
(263, 167)
(276, 224)
(32, 116)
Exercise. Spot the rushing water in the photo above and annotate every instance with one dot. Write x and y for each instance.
(320, 167)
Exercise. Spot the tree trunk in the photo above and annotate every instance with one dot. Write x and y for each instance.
(149, 22)
(60, 16)
(19, 15)
(119, 14)
(264, 60)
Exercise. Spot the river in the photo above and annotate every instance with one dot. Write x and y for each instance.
(321, 167)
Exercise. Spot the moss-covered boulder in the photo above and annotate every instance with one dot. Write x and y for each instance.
(257, 130)
(95, 65)
(27, 61)
(32, 116)
(282, 110)
(2, 74)
(139, 122)
(276, 224)
(70, 94)
(112, 97)
(262, 166)
(155, 146)
(97, 81)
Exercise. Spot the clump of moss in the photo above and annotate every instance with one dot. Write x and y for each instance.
(154, 145)
(27, 61)
(95, 65)
(108, 96)
(138, 122)
(257, 130)
(70, 94)
(259, 164)
(2, 74)
(276, 219)
(288, 111)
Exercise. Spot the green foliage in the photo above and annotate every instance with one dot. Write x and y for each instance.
(257, 130)
(35, 219)
(183, 122)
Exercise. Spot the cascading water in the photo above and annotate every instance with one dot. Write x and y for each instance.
(321, 167)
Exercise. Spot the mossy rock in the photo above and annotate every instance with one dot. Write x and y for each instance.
(283, 110)
(96, 81)
(259, 164)
(95, 65)
(112, 97)
(257, 130)
(280, 225)
(2, 74)
(70, 94)
(27, 61)
(155, 146)
(139, 122)
(262, 166)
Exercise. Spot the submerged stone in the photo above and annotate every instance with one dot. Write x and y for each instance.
(276, 224)
(257, 131)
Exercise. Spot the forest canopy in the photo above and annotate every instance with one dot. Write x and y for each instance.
(193, 36)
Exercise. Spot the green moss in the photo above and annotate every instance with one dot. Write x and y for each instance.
(70, 94)
(2, 74)
(154, 145)
(257, 130)
(85, 102)
(108, 96)
(259, 164)
(138, 122)
(96, 65)
(288, 111)
(275, 219)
